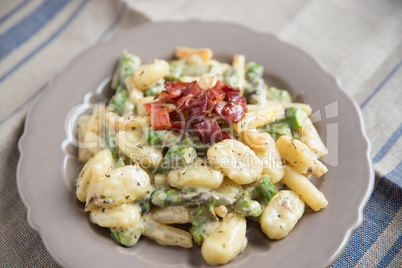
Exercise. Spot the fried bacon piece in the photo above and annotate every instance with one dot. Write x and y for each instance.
(181, 127)
(181, 106)
(209, 131)
(172, 91)
(236, 108)
(197, 107)
(187, 108)
(160, 119)
(193, 89)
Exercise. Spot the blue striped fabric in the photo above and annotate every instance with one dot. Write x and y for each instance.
(379, 87)
(13, 11)
(114, 24)
(20, 33)
(44, 44)
(384, 206)
(384, 203)
(395, 174)
(392, 252)
(388, 145)
(69, 20)
(52, 37)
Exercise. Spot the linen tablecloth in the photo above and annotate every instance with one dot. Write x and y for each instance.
(360, 42)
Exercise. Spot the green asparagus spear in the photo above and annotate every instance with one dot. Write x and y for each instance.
(265, 189)
(110, 143)
(254, 67)
(255, 87)
(164, 137)
(198, 234)
(278, 129)
(280, 95)
(296, 117)
(195, 142)
(118, 101)
(125, 67)
(170, 139)
(204, 216)
(121, 104)
(295, 134)
(176, 69)
(248, 208)
(119, 163)
(128, 237)
(190, 197)
(256, 83)
(155, 88)
(159, 169)
(196, 69)
(231, 77)
(180, 155)
(145, 203)
(155, 137)
(177, 155)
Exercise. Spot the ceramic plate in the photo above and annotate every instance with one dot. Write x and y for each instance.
(48, 164)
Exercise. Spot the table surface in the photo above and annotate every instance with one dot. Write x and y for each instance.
(360, 42)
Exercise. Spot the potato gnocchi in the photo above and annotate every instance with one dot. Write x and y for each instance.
(187, 151)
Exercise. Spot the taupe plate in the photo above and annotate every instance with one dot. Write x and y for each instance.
(48, 165)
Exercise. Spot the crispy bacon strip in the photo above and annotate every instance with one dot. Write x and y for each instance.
(219, 85)
(193, 89)
(186, 107)
(197, 107)
(181, 127)
(160, 119)
(209, 131)
(172, 91)
(236, 107)
(181, 106)
(219, 107)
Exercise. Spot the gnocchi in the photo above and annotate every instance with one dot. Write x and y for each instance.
(120, 186)
(259, 118)
(134, 146)
(226, 241)
(299, 156)
(311, 138)
(236, 160)
(264, 147)
(304, 189)
(89, 130)
(281, 214)
(146, 75)
(117, 218)
(197, 174)
(97, 166)
(204, 54)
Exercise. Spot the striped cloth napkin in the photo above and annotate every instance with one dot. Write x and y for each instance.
(358, 41)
